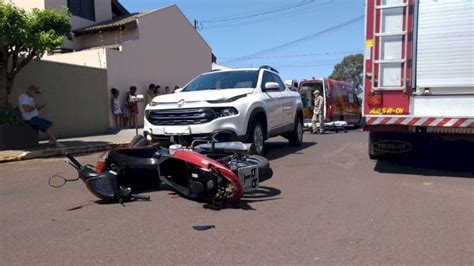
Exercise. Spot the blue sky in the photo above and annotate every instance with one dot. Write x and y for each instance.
(244, 33)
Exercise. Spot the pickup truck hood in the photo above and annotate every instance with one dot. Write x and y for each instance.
(199, 96)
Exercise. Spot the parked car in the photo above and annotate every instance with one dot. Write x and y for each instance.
(255, 104)
(340, 100)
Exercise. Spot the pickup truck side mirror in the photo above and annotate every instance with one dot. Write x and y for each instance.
(271, 86)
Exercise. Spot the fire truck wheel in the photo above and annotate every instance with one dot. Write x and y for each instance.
(373, 155)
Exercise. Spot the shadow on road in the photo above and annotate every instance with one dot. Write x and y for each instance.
(277, 150)
(260, 195)
(455, 159)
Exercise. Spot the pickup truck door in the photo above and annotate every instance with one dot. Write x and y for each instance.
(289, 107)
(274, 102)
(287, 102)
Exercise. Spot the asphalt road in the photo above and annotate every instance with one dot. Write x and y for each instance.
(326, 204)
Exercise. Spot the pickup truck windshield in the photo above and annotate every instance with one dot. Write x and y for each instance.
(224, 80)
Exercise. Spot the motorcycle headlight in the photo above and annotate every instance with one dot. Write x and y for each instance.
(223, 112)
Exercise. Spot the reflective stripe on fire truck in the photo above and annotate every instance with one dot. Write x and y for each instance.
(420, 121)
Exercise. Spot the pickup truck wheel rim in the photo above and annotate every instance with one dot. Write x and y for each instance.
(258, 139)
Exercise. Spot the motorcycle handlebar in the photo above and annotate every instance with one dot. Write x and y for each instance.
(73, 160)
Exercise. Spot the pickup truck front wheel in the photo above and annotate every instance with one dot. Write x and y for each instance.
(296, 136)
(257, 138)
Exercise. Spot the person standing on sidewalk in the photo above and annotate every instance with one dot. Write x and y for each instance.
(116, 106)
(318, 112)
(29, 111)
(151, 93)
(132, 106)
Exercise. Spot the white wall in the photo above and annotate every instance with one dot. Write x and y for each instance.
(168, 52)
(89, 58)
(28, 5)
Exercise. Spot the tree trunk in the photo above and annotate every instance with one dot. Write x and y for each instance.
(3, 75)
(4, 81)
(6, 85)
(4, 88)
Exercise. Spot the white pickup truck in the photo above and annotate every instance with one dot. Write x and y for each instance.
(254, 104)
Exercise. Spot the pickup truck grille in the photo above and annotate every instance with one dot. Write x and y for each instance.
(192, 116)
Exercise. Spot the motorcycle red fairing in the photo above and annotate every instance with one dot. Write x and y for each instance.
(213, 166)
(209, 172)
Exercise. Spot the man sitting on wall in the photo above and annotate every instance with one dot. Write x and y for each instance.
(29, 112)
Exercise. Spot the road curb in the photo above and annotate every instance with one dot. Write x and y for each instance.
(52, 152)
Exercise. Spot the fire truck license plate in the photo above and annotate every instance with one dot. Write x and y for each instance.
(249, 178)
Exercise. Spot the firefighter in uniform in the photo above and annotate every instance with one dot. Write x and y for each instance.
(318, 112)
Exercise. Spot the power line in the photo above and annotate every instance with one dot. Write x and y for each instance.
(297, 41)
(306, 66)
(270, 11)
(292, 62)
(298, 66)
(265, 19)
(299, 55)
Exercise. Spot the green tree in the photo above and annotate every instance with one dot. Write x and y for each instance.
(350, 69)
(25, 36)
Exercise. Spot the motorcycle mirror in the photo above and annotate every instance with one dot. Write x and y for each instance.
(57, 181)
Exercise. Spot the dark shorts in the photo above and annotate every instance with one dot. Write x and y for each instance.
(39, 123)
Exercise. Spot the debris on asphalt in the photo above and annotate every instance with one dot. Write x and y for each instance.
(203, 227)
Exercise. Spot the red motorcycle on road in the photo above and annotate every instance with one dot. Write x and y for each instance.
(213, 172)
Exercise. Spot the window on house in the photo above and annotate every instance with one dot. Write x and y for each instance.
(82, 8)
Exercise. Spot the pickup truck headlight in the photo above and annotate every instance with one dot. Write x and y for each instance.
(152, 103)
(226, 111)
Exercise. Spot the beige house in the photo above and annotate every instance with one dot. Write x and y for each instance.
(158, 46)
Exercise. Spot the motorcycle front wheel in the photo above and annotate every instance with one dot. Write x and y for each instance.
(264, 170)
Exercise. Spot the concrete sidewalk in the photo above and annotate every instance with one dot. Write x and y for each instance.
(73, 145)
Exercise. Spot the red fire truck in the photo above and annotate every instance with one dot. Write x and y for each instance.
(418, 74)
